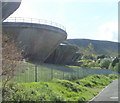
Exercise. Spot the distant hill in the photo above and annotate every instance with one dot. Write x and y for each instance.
(100, 47)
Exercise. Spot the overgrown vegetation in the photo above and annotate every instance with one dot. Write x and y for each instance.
(58, 90)
(101, 63)
(11, 57)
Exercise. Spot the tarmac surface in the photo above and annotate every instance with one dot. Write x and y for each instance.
(108, 94)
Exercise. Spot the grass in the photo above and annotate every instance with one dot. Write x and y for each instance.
(58, 90)
(71, 66)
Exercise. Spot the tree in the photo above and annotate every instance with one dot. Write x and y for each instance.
(101, 57)
(116, 60)
(105, 63)
(89, 52)
(11, 56)
(110, 66)
(117, 67)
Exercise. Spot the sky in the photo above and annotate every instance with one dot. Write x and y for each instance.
(83, 19)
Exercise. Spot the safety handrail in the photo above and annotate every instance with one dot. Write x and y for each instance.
(33, 20)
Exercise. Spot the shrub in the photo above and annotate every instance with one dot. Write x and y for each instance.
(116, 60)
(105, 63)
(73, 86)
(110, 66)
(113, 76)
(117, 67)
(31, 92)
(58, 90)
(94, 81)
(93, 64)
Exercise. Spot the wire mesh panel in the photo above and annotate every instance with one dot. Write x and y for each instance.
(41, 73)
(67, 75)
(24, 73)
(57, 74)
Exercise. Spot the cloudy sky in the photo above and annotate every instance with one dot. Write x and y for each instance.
(89, 19)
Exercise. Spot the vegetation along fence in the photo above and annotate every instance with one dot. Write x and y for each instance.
(46, 72)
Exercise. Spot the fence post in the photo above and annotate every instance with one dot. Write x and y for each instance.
(63, 75)
(70, 75)
(35, 73)
(78, 72)
(51, 73)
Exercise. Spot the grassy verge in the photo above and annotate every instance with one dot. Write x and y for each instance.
(80, 90)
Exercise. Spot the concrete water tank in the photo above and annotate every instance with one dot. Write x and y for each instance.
(9, 7)
(38, 40)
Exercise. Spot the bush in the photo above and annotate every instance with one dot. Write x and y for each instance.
(101, 57)
(116, 60)
(58, 90)
(105, 63)
(117, 67)
(73, 86)
(31, 92)
(113, 76)
(110, 66)
(95, 81)
(93, 64)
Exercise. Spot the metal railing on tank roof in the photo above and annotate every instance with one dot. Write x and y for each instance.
(33, 20)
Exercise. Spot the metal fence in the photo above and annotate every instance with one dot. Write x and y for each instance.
(42, 73)
(34, 20)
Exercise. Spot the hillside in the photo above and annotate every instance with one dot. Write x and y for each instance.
(100, 47)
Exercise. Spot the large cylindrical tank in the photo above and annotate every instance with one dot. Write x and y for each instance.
(9, 7)
(38, 41)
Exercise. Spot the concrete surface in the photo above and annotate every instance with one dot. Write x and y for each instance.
(64, 54)
(8, 8)
(37, 41)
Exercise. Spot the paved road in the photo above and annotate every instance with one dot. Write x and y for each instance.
(110, 93)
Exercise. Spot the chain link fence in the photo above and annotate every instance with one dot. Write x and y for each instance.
(48, 72)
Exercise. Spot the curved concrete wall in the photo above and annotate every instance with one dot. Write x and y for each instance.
(37, 40)
(8, 8)
(63, 54)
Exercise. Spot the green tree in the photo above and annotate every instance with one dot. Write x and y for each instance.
(116, 60)
(105, 63)
(89, 52)
(101, 57)
(117, 67)
(110, 66)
